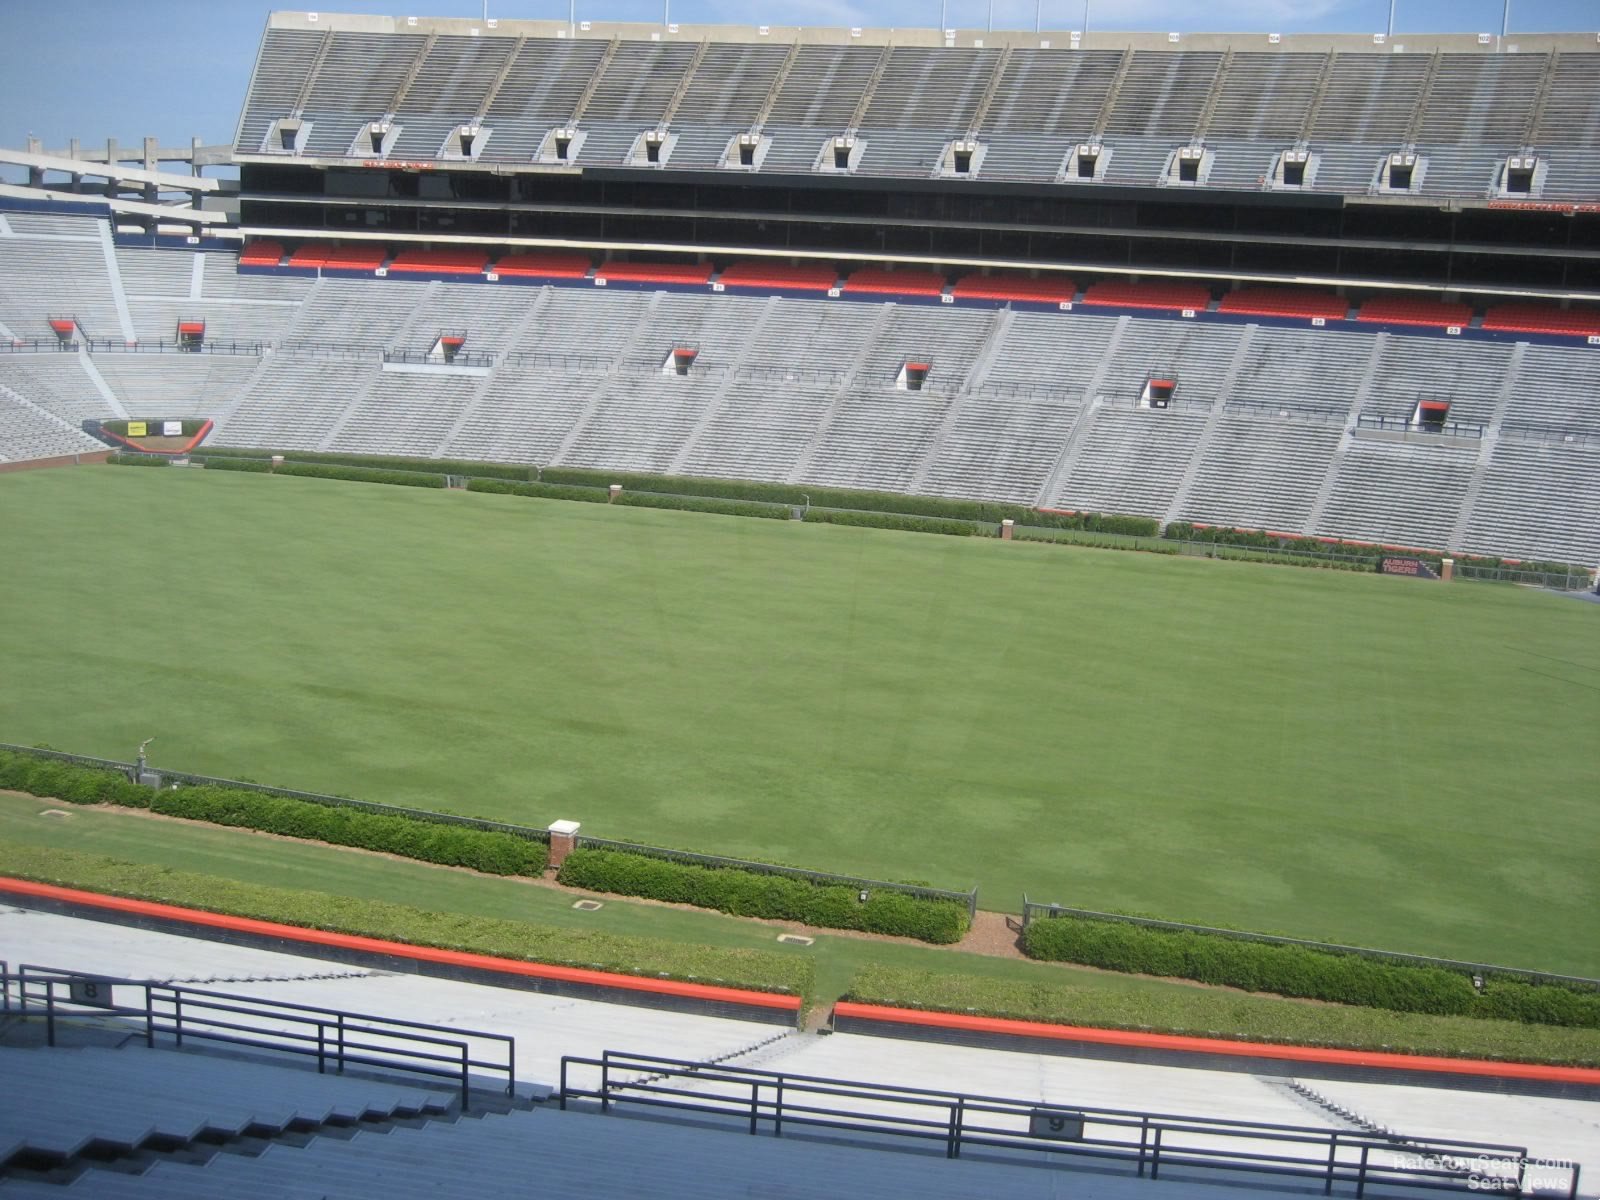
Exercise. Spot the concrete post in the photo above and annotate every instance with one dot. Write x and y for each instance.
(613, 492)
(1447, 569)
(1006, 528)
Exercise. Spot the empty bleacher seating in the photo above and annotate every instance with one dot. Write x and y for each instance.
(779, 276)
(1052, 289)
(1405, 310)
(873, 281)
(260, 252)
(364, 256)
(543, 265)
(1114, 293)
(648, 272)
(1536, 318)
(440, 262)
(1284, 302)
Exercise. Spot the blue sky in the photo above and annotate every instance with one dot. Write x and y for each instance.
(178, 68)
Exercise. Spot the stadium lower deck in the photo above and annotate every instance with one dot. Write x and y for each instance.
(1274, 422)
(138, 1090)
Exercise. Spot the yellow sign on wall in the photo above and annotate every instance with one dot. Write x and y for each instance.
(137, 428)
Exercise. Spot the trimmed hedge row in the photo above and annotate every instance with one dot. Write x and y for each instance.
(122, 459)
(427, 841)
(786, 495)
(1302, 972)
(773, 897)
(1201, 1013)
(591, 495)
(1188, 532)
(902, 521)
(437, 466)
(867, 501)
(757, 970)
(361, 474)
(212, 463)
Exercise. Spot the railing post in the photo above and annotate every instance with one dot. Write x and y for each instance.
(49, 1015)
(755, 1101)
(341, 1043)
(563, 1083)
(1155, 1155)
(465, 1087)
(511, 1067)
(177, 1017)
(1144, 1141)
(322, 1039)
(777, 1113)
(149, 1016)
(958, 1119)
(605, 1084)
(1333, 1150)
(1361, 1175)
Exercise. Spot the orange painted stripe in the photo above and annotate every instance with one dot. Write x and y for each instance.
(1169, 1041)
(455, 958)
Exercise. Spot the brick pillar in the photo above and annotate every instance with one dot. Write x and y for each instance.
(1447, 569)
(563, 841)
(613, 492)
(1007, 527)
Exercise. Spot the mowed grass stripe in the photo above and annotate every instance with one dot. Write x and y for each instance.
(1373, 760)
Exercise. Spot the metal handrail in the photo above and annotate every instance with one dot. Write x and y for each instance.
(762, 1099)
(335, 1038)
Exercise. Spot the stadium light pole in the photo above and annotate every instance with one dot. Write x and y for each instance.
(1086, 17)
(1390, 32)
(1038, 10)
(1505, 21)
(991, 16)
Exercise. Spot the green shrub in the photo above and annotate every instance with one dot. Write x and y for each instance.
(360, 474)
(769, 897)
(69, 781)
(1201, 1013)
(757, 970)
(436, 466)
(904, 522)
(428, 841)
(214, 463)
(710, 504)
(120, 459)
(547, 491)
(1300, 971)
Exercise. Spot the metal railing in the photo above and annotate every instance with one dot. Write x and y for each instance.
(1033, 910)
(241, 349)
(1549, 435)
(1291, 412)
(1572, 580)
(427, 358)
(53, 345)
(336, 1039)
(969, 899)
(759, 1101)
(1455, 429)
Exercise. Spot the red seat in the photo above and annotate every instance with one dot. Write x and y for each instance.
(1284, 302)
(261, 253)
(1408, 310)
(1051, 289)
(874, 281)
(807, 277)
(441, 262)
(544, 265)
(1123, 294)
(1540, 318)
(644, 272)
(364, 256)
(312, 255)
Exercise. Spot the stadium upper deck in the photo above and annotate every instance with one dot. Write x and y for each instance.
(1464, 117)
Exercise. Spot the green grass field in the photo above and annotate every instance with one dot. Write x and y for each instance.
(1375, 760)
